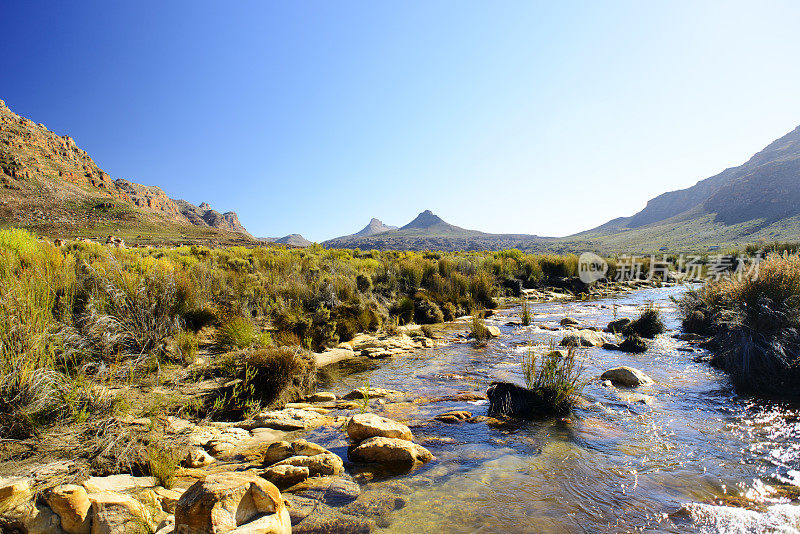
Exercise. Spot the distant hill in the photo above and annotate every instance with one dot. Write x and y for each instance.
(51, 186)
(375, 226)
(294, 240)
(429, 232)
(758, 200)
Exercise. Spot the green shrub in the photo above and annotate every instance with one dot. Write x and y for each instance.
(525, 314)
(555, 380)
(427, 312)
(405, 310)
(449, 311)
(479, 331)
(197, 318)
(634, 344)
(648, 325)
(162, 464)
(236, 332)
(187, 345)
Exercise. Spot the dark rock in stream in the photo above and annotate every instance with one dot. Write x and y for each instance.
(510, 400)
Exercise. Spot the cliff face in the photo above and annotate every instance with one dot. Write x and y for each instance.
(40, 171)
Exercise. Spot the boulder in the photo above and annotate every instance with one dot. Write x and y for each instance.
(456, 416)
(510, 400)
(71, 503)
(285, 476)
(569, 321)
(280, 450)
(626, 376)
(302, 447)
(633, 344)
(368, 425)
(167, 498)
(118, 483)
(197, 457)
(117, 513)
(320, 464)
(222, 502)
(583, 338)
(333, 491)
(493, 331)
(267, 524)
(389, 450)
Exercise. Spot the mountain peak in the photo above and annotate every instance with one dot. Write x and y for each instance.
(426, 219)
(375, 226)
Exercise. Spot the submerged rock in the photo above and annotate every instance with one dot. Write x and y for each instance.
(569, 321)
(321, 464)
(618, 326)
(285, 476)
(456, 416)
(373, 393)
(626, 376)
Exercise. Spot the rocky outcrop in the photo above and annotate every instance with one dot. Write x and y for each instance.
(71, 503)
(221, 503)
(203, 215)
(583, 338)
(117, 513)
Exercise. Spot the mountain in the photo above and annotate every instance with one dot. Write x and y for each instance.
(375, 226)
(758, 200)
(51, 186)
(430, 232)
(294, 240)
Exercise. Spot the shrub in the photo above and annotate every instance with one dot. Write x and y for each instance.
(197, 318)
(449, 311)
(187, 345)
(404, 310)
(555, 380)
(162, 464)
(479, 331)
(427, 312)
(648, 325)
(525, 314)
(236, 332)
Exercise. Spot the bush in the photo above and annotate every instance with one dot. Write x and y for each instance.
(648, 325)
(236, 332)
(198, 318)
(427, 312)
(755, 322)
(449, 311)
(187, 345)
(404, 310)
(556, 381)
(162, 464)
(479, 331)
(525, 314)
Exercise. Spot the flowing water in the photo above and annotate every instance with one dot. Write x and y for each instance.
(686, 454)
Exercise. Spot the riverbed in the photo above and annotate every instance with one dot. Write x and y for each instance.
(686, 454)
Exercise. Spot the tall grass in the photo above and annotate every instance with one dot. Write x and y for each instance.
(755, 324)
(555, 378)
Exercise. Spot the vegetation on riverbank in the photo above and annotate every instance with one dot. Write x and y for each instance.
(754, 322)
(82, 314)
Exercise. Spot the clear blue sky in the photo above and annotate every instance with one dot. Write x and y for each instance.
(312, 117)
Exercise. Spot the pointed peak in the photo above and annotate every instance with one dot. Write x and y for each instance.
(426, 219)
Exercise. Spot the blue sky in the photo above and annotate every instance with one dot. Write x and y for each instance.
(312, 117)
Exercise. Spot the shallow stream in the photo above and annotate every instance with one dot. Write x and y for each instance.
(686, 454)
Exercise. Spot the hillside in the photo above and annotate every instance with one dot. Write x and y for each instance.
(375, 226)
(51, 186)
(758, 200)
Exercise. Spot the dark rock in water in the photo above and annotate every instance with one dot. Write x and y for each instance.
(633, 344)
(511, 400)
(611, 346)
(618, 325)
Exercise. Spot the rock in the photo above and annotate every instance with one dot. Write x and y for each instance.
(569, 321)
(583, 338)
(611, 346)
(118, 483)
(198, 458)
(285, 476)
(511, 400)
(321, 396)
(267, 524)
(310, 516)
(288, 419)
(464, 396)
(493, 331)
(71, 503)
(379, 502)
(331, 356)
(14, 491)
(320, 464)
(389, 450)
(368, 425)
(618, 326)
(333, 491)
(221, 502)
(117, 513)
(372, 393)
(456, 416)
(280, 450)
(303, 448)
(168, 498)
(626, 376)
(167, 526)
